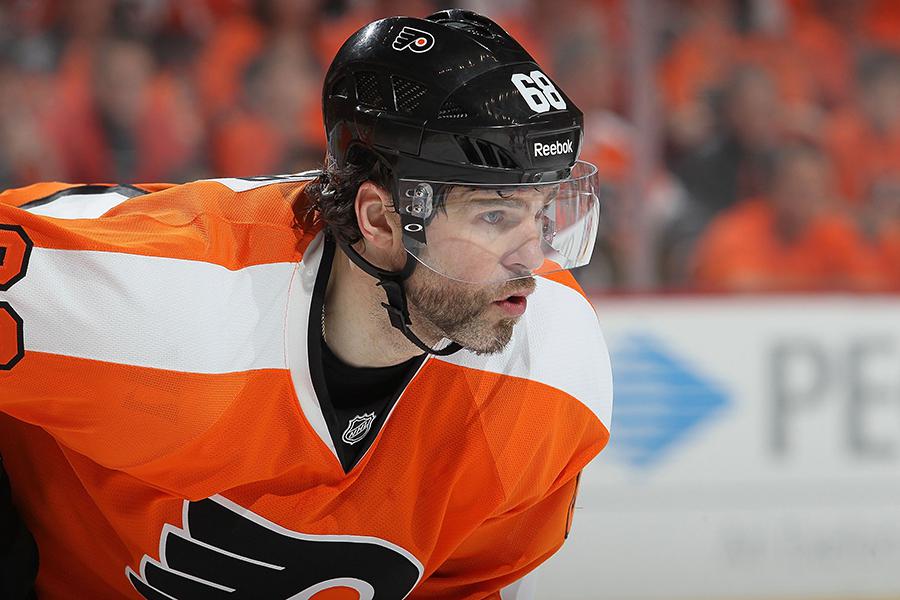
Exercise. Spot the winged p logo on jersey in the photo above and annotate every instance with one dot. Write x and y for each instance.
(224, 550)
(413, 39)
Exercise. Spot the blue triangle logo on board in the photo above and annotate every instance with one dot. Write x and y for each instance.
(661, 400)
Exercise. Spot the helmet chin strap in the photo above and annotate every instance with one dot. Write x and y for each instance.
(396, 306)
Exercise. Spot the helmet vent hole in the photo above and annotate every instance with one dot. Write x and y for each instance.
(471, 152)
(407, 94)
(452, 110)
(343, 88)
(485, 154)
(506, 161)
(490, 157)
(494, 155)
(368, 90)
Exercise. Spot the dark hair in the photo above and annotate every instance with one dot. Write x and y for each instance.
(329, 201)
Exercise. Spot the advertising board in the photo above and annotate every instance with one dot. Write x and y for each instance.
(755, 453)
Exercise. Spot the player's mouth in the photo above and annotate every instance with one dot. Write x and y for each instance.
(513, 306)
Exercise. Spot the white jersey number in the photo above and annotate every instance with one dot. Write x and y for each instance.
(538, 91)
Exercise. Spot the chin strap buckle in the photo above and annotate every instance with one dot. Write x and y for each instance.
(396, 304)
(398, 313)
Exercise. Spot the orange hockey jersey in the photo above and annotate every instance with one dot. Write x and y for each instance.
(162, 433)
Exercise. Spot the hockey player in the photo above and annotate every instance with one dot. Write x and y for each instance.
(373, 381)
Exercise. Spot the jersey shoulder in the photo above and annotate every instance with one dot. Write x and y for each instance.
(234, 222)
(545, 401)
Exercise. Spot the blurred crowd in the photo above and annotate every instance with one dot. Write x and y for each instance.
(769, 158)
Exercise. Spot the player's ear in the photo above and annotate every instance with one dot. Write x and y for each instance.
(377, 221)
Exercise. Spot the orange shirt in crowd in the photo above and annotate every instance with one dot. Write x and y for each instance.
(860, 155)
(233, 45)
(165, 136)
(704, 58)
(741, 251)
(881, 22)
(889, 251)
(825, 50)
(274, 150)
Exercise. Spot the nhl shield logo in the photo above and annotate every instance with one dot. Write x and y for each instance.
(358, 427)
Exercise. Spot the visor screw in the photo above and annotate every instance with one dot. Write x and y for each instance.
(421, 202)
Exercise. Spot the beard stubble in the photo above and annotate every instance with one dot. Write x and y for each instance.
(461, 312)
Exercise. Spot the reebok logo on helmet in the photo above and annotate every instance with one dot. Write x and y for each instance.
(554, 149)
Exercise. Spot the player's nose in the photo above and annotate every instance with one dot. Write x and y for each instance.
(529, 255)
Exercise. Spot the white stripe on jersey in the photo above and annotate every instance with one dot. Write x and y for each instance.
(242, 184)
(551, 344)
(298, 343)
(79, 206)
(163, 313)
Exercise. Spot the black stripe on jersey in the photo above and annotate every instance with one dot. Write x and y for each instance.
(129, 191)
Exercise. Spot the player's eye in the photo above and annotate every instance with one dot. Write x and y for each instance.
(494, 217)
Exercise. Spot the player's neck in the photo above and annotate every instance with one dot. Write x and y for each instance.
(357, 327)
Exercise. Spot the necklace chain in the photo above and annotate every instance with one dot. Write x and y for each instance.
(323, 322)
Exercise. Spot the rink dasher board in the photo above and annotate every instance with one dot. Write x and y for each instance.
(775, 474)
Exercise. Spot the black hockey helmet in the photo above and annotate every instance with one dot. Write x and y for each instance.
(481, 145)
(451, 97)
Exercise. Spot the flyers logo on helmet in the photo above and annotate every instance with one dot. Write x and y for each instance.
(224, 550)
(413, 39)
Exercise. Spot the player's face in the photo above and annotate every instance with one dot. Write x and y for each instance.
(487, 236)
(480, 318)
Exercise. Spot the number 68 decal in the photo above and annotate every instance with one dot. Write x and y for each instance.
(15, 250)
(538, 91)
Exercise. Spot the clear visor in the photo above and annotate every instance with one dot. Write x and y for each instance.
(494, 233)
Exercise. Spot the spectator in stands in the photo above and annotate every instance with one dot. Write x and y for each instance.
(864, 140)
(701, 54)
(130, 130)
(26, 155)
(736, 78)
(881, 220)
(817, 33)
(791, 239)
(278, 119)
(241, 38)
(586, 65)
(733, 166)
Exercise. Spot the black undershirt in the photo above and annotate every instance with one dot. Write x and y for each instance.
(351, 388)
(354, 400)
(361, 393)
